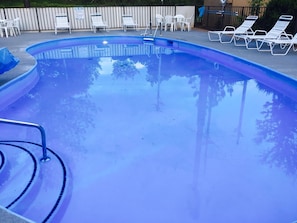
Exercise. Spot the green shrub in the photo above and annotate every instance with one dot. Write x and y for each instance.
(65, 3)
(276, 8)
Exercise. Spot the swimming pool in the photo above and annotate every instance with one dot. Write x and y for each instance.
(155, 131)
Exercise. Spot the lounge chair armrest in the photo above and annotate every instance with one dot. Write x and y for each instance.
(260, 32)
(229, 28)
(250, 32)
(286, 36)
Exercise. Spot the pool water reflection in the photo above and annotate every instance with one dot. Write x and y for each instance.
(152, 133)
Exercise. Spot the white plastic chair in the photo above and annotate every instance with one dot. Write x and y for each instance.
(178, 22)
(62, 23)
(159, 23)
(187, 23)
(128, 22)
(159, 20)
(7, 26)
(98, 23)
(2, 24)
(168, 23)
(16, 26)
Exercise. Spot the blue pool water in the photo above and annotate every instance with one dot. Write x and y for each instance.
(160, 131)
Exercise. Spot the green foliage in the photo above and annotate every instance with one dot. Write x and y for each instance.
(49, 3)
(276, 8)
(256, 5)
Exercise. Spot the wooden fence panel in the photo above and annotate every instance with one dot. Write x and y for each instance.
(75, 23)
(43, 19)
(46, 17)
(2, 15)
(87, 20)
(140, 14)
(28, 19)
(112, 15)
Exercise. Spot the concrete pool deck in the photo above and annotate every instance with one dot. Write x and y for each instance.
(17, 46)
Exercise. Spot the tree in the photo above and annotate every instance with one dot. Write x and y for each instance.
(274, 9)
(256, 5)
(27, 3)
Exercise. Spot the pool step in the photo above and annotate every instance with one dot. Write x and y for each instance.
(28, 187)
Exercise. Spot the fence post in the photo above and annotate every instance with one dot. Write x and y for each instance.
(38, 24)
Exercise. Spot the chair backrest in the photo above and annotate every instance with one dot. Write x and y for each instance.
(179, 18)
(2, 23)
(16, 22)
(128, 20)
(96, 19)
(280, 26)
(168, 19)
(159, 19)
(247, 24)
(189, 19)
(61, 20)
(9, 23)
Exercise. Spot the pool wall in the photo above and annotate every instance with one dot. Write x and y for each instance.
(273, 79)
(14, 89)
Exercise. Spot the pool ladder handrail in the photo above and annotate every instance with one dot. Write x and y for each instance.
(45, 157)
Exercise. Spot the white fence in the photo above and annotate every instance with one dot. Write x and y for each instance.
(43, 19)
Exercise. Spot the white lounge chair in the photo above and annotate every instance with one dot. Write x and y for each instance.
(62, 23)
(227, 35)
(128, 22)
(255, 41)
(98, 23)
(282, 45)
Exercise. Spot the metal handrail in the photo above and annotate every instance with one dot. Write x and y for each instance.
(45, 157)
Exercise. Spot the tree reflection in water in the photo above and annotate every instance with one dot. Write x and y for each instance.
(189, 141)
(278, 127)
(124, 69)
(72, 110)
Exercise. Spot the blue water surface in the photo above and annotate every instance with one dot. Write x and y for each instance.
(164, 131)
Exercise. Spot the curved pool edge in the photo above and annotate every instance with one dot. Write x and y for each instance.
(261, 73)
(195, 201)
(17, 87)
(22, 84)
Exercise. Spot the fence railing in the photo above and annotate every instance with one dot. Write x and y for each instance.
(43, 19)
(216, 18)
